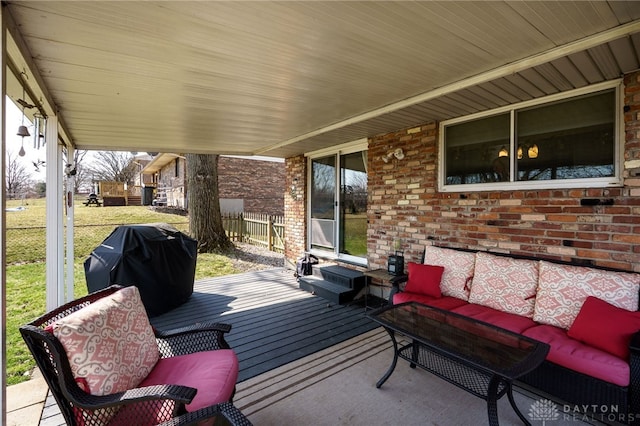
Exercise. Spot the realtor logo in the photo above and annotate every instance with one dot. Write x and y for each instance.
(544, 410)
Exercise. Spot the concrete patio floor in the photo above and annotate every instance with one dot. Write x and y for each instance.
(25, 401)
(331, 385)
(336, 386)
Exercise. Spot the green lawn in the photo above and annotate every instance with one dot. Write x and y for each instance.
(26, 236)
(355, 234)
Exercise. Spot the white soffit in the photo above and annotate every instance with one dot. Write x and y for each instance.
(283, 78)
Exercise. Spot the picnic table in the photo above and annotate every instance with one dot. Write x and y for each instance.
(92, 200)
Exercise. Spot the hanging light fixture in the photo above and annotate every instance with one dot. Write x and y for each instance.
(503, 152)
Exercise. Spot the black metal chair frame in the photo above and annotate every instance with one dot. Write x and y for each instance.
(81, 408)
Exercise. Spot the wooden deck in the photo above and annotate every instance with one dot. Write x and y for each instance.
(273, 321)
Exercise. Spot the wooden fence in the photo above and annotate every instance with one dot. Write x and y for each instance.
(257, 229)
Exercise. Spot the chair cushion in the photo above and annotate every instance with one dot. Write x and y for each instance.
(604, 326)
(458, 269)
(512, 322)
(505, 283)
(444, 302)
(212, 373)
(110, 343)
(577, 356)
(562, 289)
(424, 279)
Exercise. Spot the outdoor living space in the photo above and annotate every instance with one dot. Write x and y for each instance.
(306, 361)
(504, 128)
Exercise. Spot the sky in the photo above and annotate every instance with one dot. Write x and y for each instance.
(13, 121)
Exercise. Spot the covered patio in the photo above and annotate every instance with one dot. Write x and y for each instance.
(307, 81)
(304, 361)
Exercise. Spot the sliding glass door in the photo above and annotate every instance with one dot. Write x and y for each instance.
(323, 203)
(338, 205)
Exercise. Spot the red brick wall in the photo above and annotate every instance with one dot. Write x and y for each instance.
(259, 183)
(549, 224)
(404, 203)
(294, 208)
(632, 130)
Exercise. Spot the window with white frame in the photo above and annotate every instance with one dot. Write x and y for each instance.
(561, 141)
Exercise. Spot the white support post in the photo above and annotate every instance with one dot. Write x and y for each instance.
(70, 168)
(3, 220)
(55, 228)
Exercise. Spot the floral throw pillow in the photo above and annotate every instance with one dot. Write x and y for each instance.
(110, 343)
(563, 289)
(505, 284)
(458, 269)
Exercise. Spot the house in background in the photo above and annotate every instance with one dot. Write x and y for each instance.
(245, 184)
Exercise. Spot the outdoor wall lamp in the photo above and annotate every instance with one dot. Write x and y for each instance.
(398, 153)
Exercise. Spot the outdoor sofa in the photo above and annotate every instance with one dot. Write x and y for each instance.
(588, 316)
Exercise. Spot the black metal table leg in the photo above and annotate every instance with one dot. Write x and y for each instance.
(415, 349)
(395, 359)
(492, 400)
(514, 406)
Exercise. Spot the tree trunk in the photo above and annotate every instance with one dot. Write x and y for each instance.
(205, 220)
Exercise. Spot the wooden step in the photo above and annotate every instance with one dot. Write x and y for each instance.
(335, 283)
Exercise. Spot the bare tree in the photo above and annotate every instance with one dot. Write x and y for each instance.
(18, 178)
(205, 219)
(83, 175)
(115, 166)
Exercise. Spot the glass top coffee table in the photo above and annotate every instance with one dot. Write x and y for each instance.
(476, 356)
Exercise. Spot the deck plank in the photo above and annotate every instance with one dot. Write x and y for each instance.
(273, 321)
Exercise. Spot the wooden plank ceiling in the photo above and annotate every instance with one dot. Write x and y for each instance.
(284, 78)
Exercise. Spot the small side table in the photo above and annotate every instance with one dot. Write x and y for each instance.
(383, 277)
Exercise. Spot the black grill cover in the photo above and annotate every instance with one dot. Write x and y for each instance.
(155, 257)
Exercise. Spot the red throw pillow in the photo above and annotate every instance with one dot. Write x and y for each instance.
(604, 326)
(424, 279)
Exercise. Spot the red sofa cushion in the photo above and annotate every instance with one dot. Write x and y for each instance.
(577, 356)
(511, 322)
(444, 302)
(213, 373)
(605, 326)
(424, 279)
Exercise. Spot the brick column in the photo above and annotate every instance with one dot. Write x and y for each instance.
(295, 199)
(400, 192)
